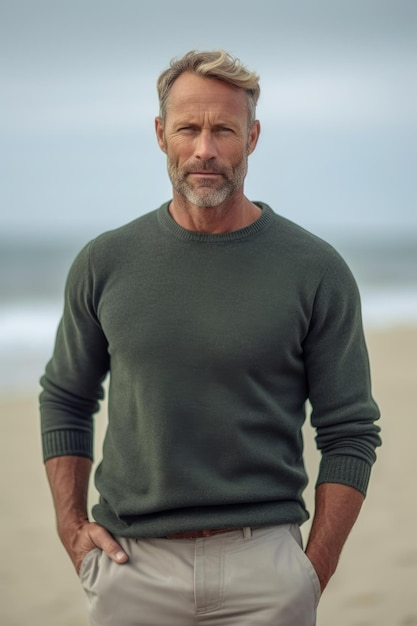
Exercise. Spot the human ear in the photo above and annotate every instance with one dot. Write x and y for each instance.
(160, 136)
(254, 133)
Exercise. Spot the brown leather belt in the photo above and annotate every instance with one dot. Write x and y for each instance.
(196, 534)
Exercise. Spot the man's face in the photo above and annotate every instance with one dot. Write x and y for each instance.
(206, 138)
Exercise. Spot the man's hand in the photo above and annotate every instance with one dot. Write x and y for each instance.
(337, 507)
(79, 541)
(68, 478)
(324, 567)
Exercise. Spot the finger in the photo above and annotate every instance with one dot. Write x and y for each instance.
(108, 544)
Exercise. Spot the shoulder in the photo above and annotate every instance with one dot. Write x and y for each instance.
(107, 250)
(133, 232)
(133, 237)
(301, 247)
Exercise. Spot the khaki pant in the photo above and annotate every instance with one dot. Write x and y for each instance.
(245, 577)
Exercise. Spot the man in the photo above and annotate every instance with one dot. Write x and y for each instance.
(216, 319)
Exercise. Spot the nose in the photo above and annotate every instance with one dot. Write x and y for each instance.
(205, 146)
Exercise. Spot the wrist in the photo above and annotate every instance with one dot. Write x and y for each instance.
(324, 564)
(70, 526)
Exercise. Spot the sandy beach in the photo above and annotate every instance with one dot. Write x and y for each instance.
(375, 584)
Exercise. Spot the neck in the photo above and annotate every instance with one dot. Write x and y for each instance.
(235, 214)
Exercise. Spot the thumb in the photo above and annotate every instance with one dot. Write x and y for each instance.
(119, 556)
(109, 545)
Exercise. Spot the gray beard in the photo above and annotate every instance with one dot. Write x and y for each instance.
(207, 197)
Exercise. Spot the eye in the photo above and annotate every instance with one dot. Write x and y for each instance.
(186, 130)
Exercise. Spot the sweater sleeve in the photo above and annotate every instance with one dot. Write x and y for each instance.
(72, 382)
(338, 376)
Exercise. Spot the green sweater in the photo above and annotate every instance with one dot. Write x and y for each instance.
(213, 343)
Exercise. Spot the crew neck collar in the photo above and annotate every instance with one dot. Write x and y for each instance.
(179, 232)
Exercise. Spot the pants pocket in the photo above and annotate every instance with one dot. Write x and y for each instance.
(89, 569)
(304, 561)
(268, 579)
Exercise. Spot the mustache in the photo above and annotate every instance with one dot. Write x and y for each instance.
(204, 166)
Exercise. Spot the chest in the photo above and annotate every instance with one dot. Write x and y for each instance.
(220, 310)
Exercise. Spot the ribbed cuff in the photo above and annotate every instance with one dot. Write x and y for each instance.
(346, 470)
(67, 442)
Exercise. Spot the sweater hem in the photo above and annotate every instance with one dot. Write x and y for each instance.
(200, 518)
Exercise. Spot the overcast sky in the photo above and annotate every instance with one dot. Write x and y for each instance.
(338, 108)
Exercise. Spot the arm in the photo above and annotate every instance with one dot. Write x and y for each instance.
(336, 509)
(344, 414)
(72, 388)
(68, 478)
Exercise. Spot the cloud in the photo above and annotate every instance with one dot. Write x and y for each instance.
(335, 96)
(91, 66)
(341, 96)
(82, 103)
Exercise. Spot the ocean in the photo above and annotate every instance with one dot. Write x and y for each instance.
(32, 276)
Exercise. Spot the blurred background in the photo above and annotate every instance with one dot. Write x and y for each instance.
(78, 155)
(337, 155)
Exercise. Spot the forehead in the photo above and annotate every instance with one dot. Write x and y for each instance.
(191, 93)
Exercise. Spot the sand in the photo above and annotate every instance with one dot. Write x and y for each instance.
(375, 584)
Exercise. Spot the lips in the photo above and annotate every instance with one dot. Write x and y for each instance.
(205, 173)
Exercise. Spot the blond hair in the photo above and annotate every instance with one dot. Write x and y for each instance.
(216, 64)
